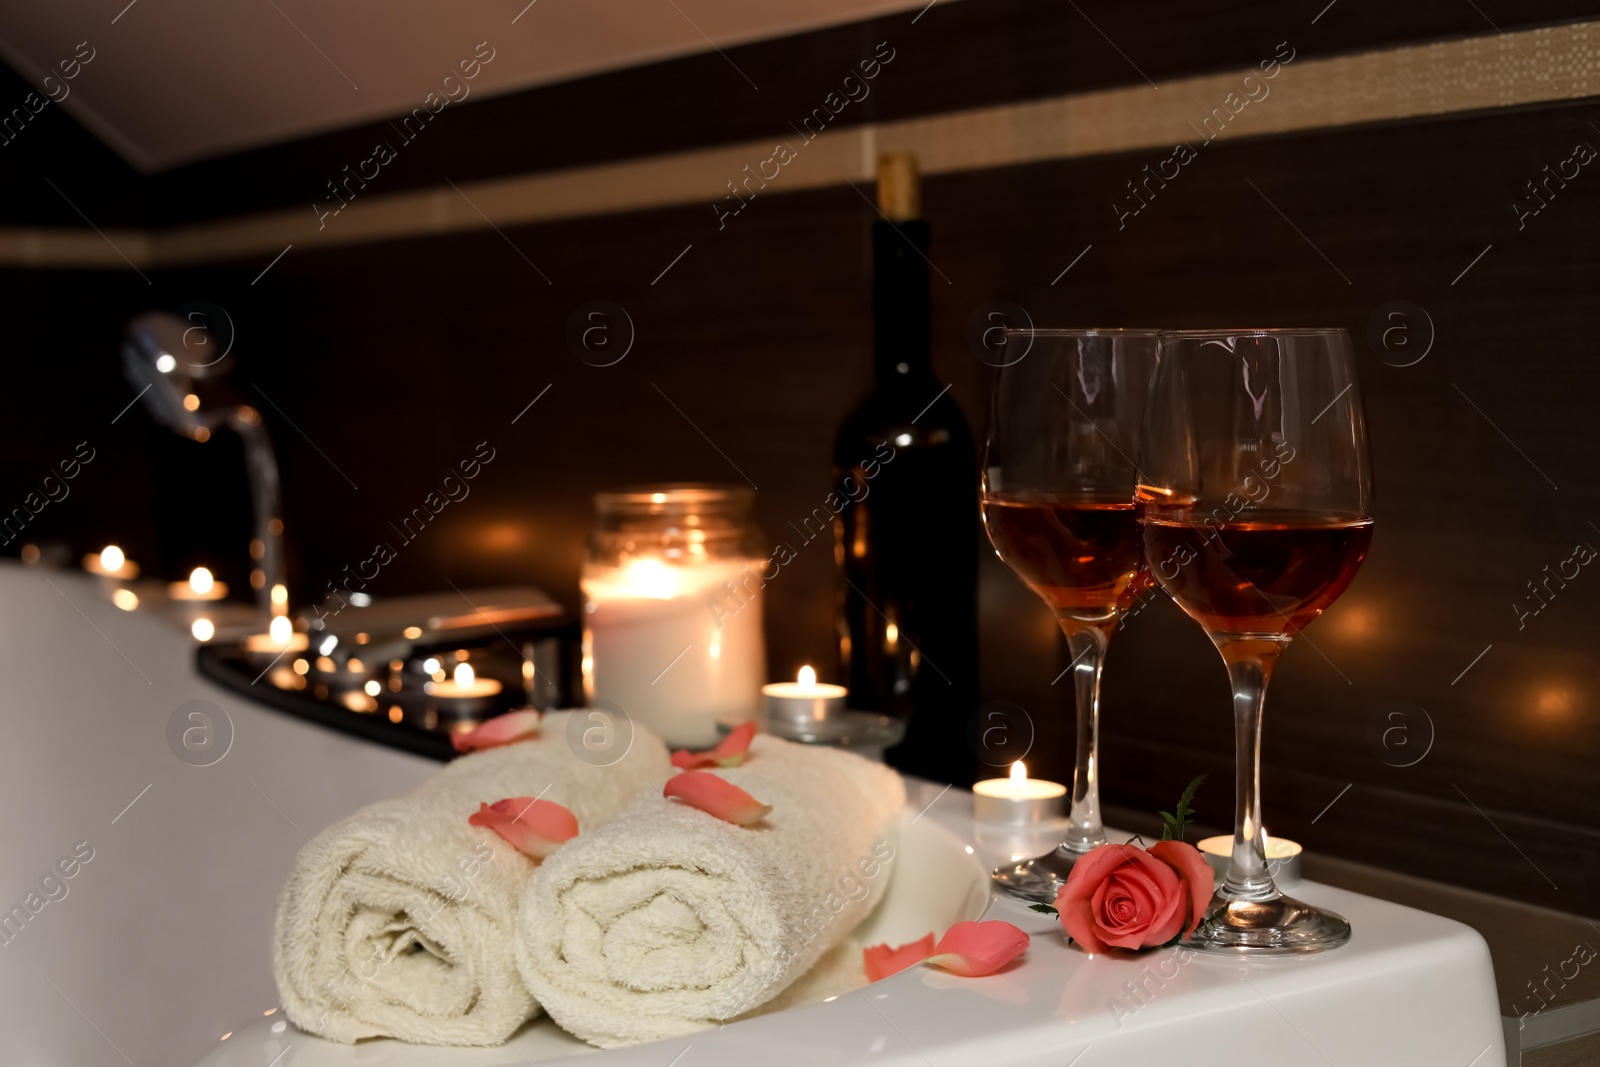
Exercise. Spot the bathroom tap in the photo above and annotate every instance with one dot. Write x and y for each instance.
(182, 373)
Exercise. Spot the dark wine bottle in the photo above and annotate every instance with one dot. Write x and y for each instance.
(906, 543)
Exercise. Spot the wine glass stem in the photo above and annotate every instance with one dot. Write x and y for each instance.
(1248, 877)
(1088, 647)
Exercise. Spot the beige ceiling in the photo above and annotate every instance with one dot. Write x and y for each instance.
(173, 81)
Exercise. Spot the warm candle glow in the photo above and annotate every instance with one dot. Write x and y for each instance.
(807, 678)
(280, 630)
(203, 630)
(1019, 779)
(651, 578)
(126, 599)
(111, 558)
(201, 581)
(465, 675)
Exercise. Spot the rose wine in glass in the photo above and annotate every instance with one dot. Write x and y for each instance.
(1058, 487)
(1254, 498)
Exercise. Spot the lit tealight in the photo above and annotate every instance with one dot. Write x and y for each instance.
(279, 638)
(203, 630)
(110, 562)
(126, 599)
(1017, 799)
(202, 585)
(466, 685)
(373, 687)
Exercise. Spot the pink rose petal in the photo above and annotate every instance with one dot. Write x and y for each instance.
(731, 751)
(973, 949)
(505, 729)
(881, 961)
(716, 796)
(533, 827)
(1196, 874)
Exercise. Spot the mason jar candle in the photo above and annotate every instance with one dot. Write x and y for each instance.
(672, 609)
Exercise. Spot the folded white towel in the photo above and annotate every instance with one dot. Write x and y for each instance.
(667, 920)
(397, 922)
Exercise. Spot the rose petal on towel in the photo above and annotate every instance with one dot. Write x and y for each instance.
(972, 949)
(533, 827)
(505, 729)
(731, 751)
(881, 961)
(716, 796)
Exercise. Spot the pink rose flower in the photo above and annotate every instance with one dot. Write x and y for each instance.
(1121, 896)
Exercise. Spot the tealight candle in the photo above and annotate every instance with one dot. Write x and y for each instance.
(200, 586)
(109, 562)
(1283, 856)
(1018, 800)
(801, 704)
(279, 638)
(465, 686)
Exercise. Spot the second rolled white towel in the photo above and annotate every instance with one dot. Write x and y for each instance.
(668, 920)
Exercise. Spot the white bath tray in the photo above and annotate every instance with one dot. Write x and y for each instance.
(1409, 989)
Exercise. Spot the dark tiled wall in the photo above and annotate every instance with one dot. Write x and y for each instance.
(396, 359)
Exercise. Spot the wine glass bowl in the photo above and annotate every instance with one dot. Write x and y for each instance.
(1058, 479)
(1254, 504)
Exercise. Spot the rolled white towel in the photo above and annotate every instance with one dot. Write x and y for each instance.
(667, 920)
(397, 921)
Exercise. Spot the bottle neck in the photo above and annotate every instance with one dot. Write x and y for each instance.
(902, 339)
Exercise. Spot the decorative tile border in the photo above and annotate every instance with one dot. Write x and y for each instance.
(1281, 95)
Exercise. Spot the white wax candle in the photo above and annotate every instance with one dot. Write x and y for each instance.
(661, 642)
(1017, 799)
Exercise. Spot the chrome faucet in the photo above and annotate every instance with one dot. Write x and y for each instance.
(182, 374)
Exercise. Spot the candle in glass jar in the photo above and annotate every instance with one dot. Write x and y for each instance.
(665, 642)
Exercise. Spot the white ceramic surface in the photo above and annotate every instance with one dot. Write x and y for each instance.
(161, 943)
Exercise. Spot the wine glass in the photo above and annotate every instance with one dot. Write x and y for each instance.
(1058, 486)
(1254, 500)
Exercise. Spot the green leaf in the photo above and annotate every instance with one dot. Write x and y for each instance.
(1043, 909)
(1176, 823)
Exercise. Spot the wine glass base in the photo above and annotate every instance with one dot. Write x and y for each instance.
(1039, 879)
(1277, 926)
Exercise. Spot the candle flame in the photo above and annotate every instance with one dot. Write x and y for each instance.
(111, 558)
(203, 630)
(465, 675)
(280, 629)
(201, 581)
(1019, 776)
(652, 578)
(807, 677)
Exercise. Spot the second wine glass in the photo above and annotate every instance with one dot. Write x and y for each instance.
(1255, 498)
(1059, 473)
